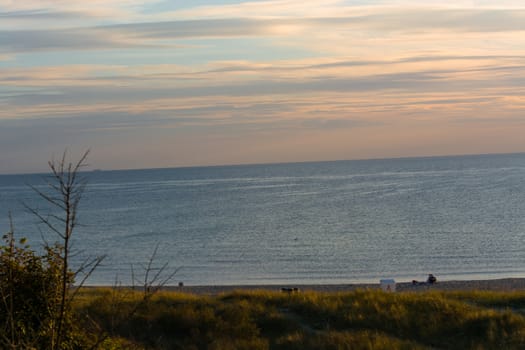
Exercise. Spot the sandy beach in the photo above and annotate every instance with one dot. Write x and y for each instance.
(505, 284)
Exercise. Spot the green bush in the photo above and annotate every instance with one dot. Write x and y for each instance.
(36, 290)
(30, 295)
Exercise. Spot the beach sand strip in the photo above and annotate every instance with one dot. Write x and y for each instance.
(505, 284)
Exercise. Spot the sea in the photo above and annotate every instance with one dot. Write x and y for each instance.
(337, 222)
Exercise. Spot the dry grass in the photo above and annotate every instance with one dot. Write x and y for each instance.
(308, 320)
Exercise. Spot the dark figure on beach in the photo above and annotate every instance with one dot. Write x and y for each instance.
(290, 290)
(431, 279)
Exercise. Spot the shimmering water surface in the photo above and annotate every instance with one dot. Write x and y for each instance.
(326, 222)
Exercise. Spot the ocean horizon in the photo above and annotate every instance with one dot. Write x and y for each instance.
(458, 217)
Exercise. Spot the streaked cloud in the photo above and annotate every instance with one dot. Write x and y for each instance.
(223, 79)
(152, 33)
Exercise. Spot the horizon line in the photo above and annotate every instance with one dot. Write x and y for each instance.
(280, 163)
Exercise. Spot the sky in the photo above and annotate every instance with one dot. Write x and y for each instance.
(168, 83)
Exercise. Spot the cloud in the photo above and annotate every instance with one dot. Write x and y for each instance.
(194, 29)
(284, 69)
(330, 123)
(92, 6)
(137, 34)
(37, 15)
(489, 20)
(107, 94)
(63, 91)
(64, 40)
(130, 35)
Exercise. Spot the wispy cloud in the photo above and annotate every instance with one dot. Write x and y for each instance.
(68, 90)
(411, 21)
(216, 78)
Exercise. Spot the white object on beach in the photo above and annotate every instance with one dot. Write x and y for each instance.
(388, 285)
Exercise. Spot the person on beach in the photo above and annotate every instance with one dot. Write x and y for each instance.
(431, 279)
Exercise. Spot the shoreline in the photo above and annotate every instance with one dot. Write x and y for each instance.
(497, 285)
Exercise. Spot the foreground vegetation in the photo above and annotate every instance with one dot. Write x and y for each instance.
(305, 320)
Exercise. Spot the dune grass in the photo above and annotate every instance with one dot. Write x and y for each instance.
(306, 320)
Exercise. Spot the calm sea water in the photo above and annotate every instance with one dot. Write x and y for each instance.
(325, 222)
